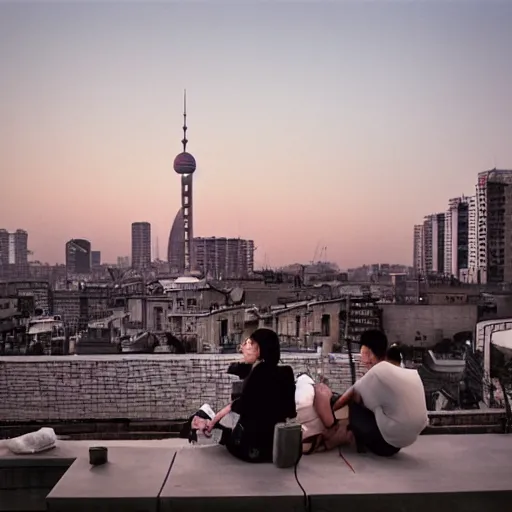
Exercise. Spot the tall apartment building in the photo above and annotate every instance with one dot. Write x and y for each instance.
(494, 253)
(141, 245)
(433, 243)
(14, 254)
(224, 258)
(460, 238)
(78, 256)
(418, 252)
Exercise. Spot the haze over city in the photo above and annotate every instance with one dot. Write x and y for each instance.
(342, 123)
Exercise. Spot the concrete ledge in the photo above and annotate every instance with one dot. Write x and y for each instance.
(131, 481)
(64, 454)
(438, 502)
(442, 473)
(26, 480)
(210, 478)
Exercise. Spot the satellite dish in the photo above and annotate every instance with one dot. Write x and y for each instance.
(237, 295)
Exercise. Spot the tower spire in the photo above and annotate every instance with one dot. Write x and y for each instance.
(184, 140)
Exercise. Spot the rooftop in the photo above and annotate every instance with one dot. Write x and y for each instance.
(442, 473)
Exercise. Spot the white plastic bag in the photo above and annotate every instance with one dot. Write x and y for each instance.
(34, 442)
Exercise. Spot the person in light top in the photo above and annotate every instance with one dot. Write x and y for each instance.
(387, 406)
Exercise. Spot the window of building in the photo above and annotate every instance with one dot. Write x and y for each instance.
(326, 325)
(297, 326)
(191, 303)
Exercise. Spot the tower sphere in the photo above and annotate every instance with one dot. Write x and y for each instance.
(184, 163)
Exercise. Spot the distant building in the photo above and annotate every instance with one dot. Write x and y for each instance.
(460, 238)
(433, 243)
(141, 245)
(123, 261)
(493, 228)
(224, 258)
(176, 247)
(419, 250)
(96, 259)
(78, 256)
(14, 254)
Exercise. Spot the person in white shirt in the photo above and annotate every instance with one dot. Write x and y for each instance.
(387, 406)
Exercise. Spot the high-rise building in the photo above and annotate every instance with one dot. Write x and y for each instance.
(141, 245)
(224, 258)
(185, 165)
(14, 253)
(96, 259)
(493, 253)
(78, 256)
(176, 247)
(460, 238)
(433, 243)
(418, 253)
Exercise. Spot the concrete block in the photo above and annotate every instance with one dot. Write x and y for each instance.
(441, 473)
(211, 479)
(130, 481)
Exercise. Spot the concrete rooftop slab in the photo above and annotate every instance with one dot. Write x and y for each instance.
(467, 473)
(131, 481)
(65, 452)
(445, 473)
(210, 478)
(470, 473)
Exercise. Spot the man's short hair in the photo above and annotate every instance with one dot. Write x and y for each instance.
(376, 341)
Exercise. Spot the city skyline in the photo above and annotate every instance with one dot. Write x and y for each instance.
(399, 106)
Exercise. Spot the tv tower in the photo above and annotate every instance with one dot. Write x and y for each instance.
(185, 164)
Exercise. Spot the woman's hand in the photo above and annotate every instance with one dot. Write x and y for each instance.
(210, 426)
(206, 430)
(217, 418)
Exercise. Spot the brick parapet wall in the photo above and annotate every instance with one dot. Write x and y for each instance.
(137, 387)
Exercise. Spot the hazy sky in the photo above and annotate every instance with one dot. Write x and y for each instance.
(332, 123)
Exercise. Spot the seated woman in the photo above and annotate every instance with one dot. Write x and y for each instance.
(387, 407)
(267, 398)
(316, 437)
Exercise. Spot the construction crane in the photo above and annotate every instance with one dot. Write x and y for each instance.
(315, 253)
(323, 254)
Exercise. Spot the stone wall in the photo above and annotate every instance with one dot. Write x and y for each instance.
(137, 387)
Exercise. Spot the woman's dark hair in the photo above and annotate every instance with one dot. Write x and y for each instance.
(268, 340)
(394, 354)
(376, 341)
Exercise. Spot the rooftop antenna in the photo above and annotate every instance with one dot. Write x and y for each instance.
(184, 141)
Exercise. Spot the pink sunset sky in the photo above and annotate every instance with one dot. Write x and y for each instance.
(332, 123)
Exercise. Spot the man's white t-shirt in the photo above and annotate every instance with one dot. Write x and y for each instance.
(397, 398)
